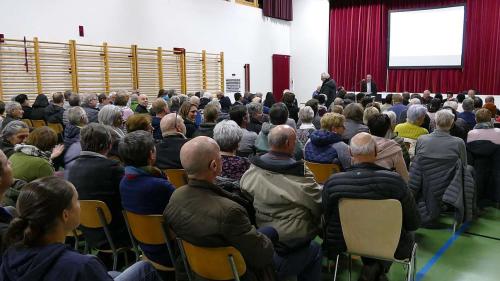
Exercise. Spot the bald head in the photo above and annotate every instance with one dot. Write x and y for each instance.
(143, 100)
(168, 124)
(363, 148)
(200, 158)
(282, 139)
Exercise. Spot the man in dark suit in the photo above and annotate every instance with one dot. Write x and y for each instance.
(368, 86)
(329, 88)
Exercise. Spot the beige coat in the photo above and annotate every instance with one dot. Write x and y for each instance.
(390, 156)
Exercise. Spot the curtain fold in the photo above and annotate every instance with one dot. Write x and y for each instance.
(358, 46)
(279, 9)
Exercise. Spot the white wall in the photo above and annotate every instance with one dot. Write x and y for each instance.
(309, 46)
(241, 32)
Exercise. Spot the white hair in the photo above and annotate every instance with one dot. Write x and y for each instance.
(414, 101)
(228, 135)
(415, 113)
(11, 106)
(392, 115)
(77, 116)
(325, 76)
(306, 114)
(87, 98)
(207, 95)
(444, 119)
(451, 103)
(109, 114)
(363, 148)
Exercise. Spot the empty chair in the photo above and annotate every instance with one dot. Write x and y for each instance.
(38, 123)
(177, 177)
(372, 234)
(322, 172)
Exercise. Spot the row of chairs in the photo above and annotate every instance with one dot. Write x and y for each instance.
(57, 127)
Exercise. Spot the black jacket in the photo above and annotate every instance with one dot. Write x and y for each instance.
(7, 120)
(190, 128)
(27, 112)
(141, 109)
(98, 178)
(484, 156)
(6, 147)
(205, 129)
(38, 113)
(364, 87)
(329, 88)
(254, 125)
(92, 113)
(366, 181)
(168, 152)
(54, 114)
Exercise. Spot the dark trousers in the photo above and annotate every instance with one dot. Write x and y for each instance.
(305, 263)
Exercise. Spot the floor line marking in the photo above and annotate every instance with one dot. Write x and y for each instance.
(441, 251)
(482, 235)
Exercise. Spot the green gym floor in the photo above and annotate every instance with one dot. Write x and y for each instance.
(472, 254)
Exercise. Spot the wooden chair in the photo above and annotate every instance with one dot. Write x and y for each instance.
(177, 177)
(222, 263)
(75, 234)
(38, 123)
(372, 229)
(322, 172)
(95, 214)
(57, 127)
(148, 229)
(27, 122)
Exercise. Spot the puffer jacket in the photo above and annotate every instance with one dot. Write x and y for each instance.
(435, 180)
(262, 145)
(286, 197)
(366, 181)
(327, 147)
(484, 156)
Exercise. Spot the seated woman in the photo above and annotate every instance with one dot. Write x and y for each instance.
(13, 111)
(326, 145)
(306, 117)
(139, 121)
(77, 118)
(48, 209)
(188, 113)
(228, 135)
(353, 121)
(411, 128)
(33, 160)
(15, 132)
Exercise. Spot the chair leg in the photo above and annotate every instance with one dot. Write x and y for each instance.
(115, 260)
(233, 268)
(336, 268)
(350, 266)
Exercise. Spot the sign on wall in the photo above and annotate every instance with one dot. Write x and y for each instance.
(233, 85)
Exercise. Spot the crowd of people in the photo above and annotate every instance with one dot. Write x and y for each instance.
(248, 183)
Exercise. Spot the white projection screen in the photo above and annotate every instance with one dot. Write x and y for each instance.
(428, 38)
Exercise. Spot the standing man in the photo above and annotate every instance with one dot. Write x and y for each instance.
(368, 86)
(329, 88)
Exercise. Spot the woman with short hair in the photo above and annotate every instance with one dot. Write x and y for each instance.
(306, 117)
(16, 132)
(228, 135)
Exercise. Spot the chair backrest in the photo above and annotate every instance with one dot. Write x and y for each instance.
(57, 127)
(371, 228)
(213, 263)
(147, 229)
(322, 172)
(27, 122)
(177, 177)
(38, 123)
(89, 216)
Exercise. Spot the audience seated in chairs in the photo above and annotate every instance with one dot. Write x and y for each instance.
(468, 114)
(366, 180)
(48, 210)
(188, 113)
(210, 115)
(205, 215)
(441, 160)
(354, 121)
(33, 160)
(306, 116)
(389, 153)
(483, 147)
(169, 148)
(255, 112)
(160, 109)
(6, 181)
(398, 107)
(277, 116)
(326, 145)
(144, 188)
(16, 132)
(142, 104)
(228, 135)
(287, 198)
(77, 118)
(41, 102)
(89, 104)
(98, 178)
(23, 100)
(13, 111)
(54, 111)
(239, 114)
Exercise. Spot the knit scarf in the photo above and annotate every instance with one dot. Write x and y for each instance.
(32, 151)
(484, 125)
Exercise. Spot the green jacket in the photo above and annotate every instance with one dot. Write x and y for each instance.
(29, 168)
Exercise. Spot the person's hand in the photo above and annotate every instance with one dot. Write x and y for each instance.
(57, 151)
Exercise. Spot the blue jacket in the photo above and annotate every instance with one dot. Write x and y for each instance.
(147, 193)
(53, 262)
(155, 123)
(469, 117)
(398, 109)
(320, 147)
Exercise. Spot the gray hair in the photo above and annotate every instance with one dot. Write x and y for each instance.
(87, 98)
(451, 103)
(228, 135)
(306, 114)
(325, 75)
(444, 119)
(338, 101)
(109, 114)
(354, 111)
(75, 115)
(414, 101)
(254, 108)
(11, 106)
(415, 113)
(369, 112)
(363, 148)
(95, 137)
(468, 104)
(277, 138)
(12, 128)
(392, 115)
(183, 98)
(216, 103)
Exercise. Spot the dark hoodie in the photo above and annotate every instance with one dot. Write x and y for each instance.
(53, 262)
(54, 113)
(71, 135)
(320, 147)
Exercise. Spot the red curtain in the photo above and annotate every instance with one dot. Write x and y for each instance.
(279, 9)
(281, 75)
(358, 46)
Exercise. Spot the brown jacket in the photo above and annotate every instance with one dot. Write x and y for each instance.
(201, 214)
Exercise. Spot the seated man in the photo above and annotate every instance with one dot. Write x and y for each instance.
(277, 116)
(169, 148)
(439, 173)
(366, 180)
(54, 111)
(205, 215)
(287, 198)
(144, 189)
(96, 177)
(210, 115)
(239, 114)
(160, 109)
